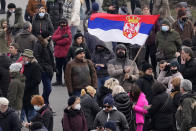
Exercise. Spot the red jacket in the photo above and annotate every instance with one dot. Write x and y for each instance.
(62, 44)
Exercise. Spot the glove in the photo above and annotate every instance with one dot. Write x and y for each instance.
(65, 36)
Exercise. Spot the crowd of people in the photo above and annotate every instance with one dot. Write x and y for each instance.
(108, 89)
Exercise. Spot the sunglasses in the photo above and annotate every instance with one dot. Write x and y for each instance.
(107, 106)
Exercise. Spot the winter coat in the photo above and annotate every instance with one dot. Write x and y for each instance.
(139, 108)
(90, 108)
(145, 83)
(187, 32)
(162, 78)
(16, 90)
(176, 95)
(101, 94)
(62, 45)
(3, 42)
(123, 104)
(72, 49)
(79, 74)
(185, 116)
(161, 119)
(188, 71)
(32, 72)
(42, 25)
(117, 3)
(116, 116)
(102, 58)
(4, 75)
(169, 42)
(43, 52)
(18, 23)
(44, 117)
(55, 9)
(73, 14)
(9, 121)
(32, 6)
(25, 40)
(116, 69)
(74, 120)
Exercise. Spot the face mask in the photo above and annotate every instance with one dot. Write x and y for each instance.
(77, 107)
(174, 71)
(11, 11)
(120, 55)
(41, 15)
(26, 62)
(37, 108)
(100, 49)
(165, 28)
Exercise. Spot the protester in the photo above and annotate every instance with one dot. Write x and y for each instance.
(14, 19)
(161, 110)
(62, 39)
(185, 115)
(32, 72)
(188, 68)
(42, 22)
(122, 103)
(3, 34)
(112, 7)
(89, 105)
(168, 42)
(79, 73)
(14, 52)
(184, 6)
(173, 68)
(110, 113)
(16, 88)
(55, 9)
(25, 39)
(78, 42)
(146, 81)
(44, 117)
(4, 75)
(74, 119)
(140, 106)
(43, 52)
(122, 68)
(9, 120)
(100, 58)
(33, 7)
(183, 25)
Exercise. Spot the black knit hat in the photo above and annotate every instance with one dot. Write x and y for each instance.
(71, 100)
(63, 20)
(78, 35)
(110, 125)
(45, 34)
(11, 5)
(146, 66)
(78, 51)
(187, 42)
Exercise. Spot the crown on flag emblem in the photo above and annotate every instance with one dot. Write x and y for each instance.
(131, 26)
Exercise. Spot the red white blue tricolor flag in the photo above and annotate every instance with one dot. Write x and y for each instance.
(132, 29)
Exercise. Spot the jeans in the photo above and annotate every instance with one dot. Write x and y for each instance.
(29, 113)
(46, 80)
(88, 4)
(60, 65)
(101, 81)
(2, 4)
(73, 30)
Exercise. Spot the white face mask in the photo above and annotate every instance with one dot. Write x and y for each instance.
(37, 108)
(165, 28)
(77, 107)
(41, 15)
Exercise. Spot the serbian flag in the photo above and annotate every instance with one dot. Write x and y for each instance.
(132, 29)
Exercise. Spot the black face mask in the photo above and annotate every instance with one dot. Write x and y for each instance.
(173, 71)
(120, 55)
(100, 49)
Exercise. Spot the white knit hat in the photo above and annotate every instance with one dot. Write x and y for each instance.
(15, 67)
(4, 101)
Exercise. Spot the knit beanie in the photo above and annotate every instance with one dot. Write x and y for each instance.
(95, 7)
(181, 13)
(4, 101)
(187, 42)
(78, 35)
(71, 100)
(186, 85)
(78, 51)
(110, 125)
(175, 64)
(166, 22)
(11, 5)
(146, 66)
(15, 67)
(45, 34)
(108, 100)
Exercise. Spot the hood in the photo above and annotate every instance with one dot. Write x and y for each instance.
(18, 11)
(17, 75)
(122, 46)
(121, 97)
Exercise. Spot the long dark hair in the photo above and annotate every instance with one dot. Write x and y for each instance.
(135, 92)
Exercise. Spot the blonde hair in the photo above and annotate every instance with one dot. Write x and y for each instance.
(117, 89)
(110, 83)
(89, 90)
(193, 129)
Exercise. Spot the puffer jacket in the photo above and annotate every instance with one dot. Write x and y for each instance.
(123, 104)
(62, 45)
(42, 25)
(116, 67)
(32, 6)
(16, 90)
(102, 58)
(55, 9)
